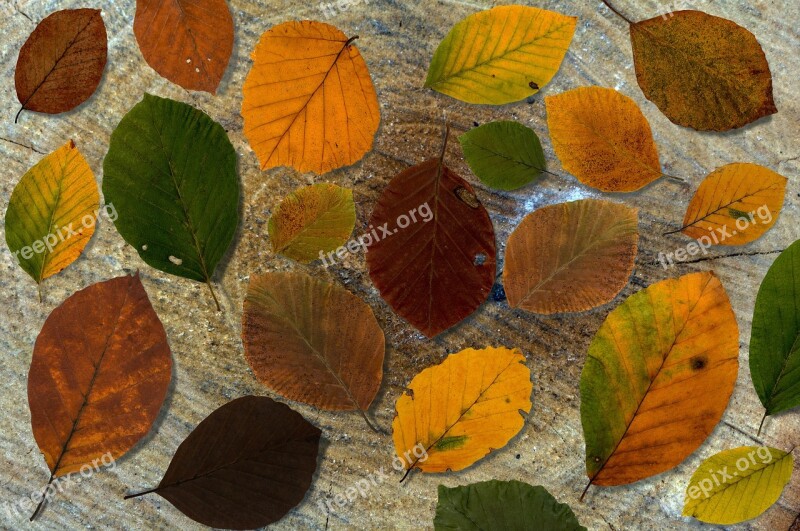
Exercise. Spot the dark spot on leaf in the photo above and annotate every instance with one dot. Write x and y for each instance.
(467, 197)
(480, 259)
(533, 85)
(699, 363)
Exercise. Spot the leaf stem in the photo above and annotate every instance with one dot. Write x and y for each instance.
(16, 118)
(213, 295)
(149, 491)
(39, 289)
(620, 15)
(586, 490)
(408, 472)
(372, 427)
(44, 498)
(760, 426)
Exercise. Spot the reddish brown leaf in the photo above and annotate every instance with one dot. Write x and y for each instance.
(62, 62)
(244, 467)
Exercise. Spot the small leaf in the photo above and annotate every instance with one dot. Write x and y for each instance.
(735, 205)
(737, 485)
(170, 173)
(244, 467)
(309, 102)
(504, 155)
(702, 71)
(602, 137)
(312, 221)
(507, 505)
(570, 257)
(501, 55)
(462, 409)
(187, 42)
(99, 374)
(658, 377)
(62, 62)
(52, 213)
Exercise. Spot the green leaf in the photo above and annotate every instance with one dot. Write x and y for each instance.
(504, 155)
(311, 221)
(170, 173)
(775, 337)
(737, 485)
(507, 505)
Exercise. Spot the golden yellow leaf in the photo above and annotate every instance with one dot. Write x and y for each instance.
(462, 409)
(309, 102)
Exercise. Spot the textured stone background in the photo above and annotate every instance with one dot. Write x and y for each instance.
(398, 38)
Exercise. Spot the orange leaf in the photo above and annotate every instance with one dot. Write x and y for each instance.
(309, 102)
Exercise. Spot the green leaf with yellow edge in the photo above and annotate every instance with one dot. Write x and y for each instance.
(737, 485)
(501, 55)
(52, 213)
(312, 221)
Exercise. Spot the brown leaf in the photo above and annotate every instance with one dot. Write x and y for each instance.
(99, 375)
(187, 42)
(244, 467)
(62, 62)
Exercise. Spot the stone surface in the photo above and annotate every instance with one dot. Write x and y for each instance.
(397, 39)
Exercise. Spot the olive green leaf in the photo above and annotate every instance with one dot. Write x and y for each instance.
(504, 155)
(170, 173)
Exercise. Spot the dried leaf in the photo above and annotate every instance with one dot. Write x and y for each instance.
(702, 71)
(462, 409)
(171, 174)
(504, 155)
(735, 204)
(309, 102)
(62, 62)
(602, 137)
(244, 467)
(506, 505)
(737, 485)
(99, 374)
(658, 377)
(501, 55)
(312, 341)
(312, 221)
(188, 42)
(570, 257)
(52, 213)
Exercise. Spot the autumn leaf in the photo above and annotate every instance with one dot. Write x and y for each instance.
(501, 55)
(309, 102)
(737, 485)
(570, 257)
(62, 62)
(244, 467)
(658, 377)
(52, 213)
(312, 341)
(504, 155)
(735, 205)
(506, 505)
(433, 257)
(170, 172)
(775, 336)
(312, 221)
(188, 42)
(462, 409)
(99, 374)
(602, 137)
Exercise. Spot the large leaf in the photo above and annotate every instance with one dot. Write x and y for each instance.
(434, 256)
(312, 221)
(308, 101)
(504, 155)
(658, 377)
(775, 337)
(52, 213)
(602, 137)
(188, 42)
(312, 341)
(501, 55)
(62, 62)
(99, 374)
(244, 467)
(570, 257)
(737, 485)
(507, 505)
(171, 174)
(702, 71)
(462, 409)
